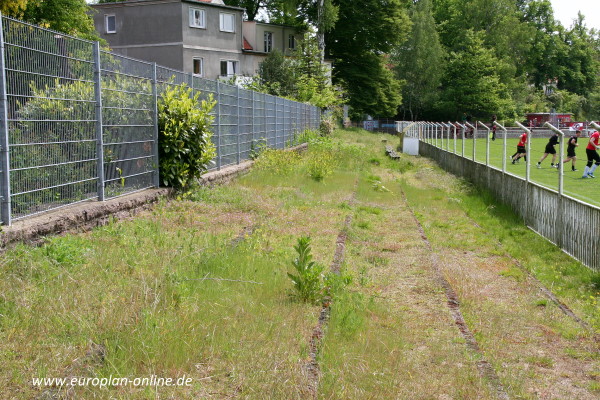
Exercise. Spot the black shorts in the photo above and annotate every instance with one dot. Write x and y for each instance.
(571, 152)
(550, 149)
(592, 155)
(521, 150)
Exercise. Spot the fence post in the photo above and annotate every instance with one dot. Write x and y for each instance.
(99, 133)
(527, 161)
(503, 146)
(474, 128)
(155, 147)
(218, 116)
(560, 214)
(253, 116)
(238, 122)
(275, 106)
(487, 143)
(5, 208)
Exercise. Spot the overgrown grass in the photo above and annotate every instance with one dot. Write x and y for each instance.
(187, 290)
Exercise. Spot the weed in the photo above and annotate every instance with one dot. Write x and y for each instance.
(309, 279)
(540, 361)
(515, 273)
(363, 224)
(277, 162)
(541, 303)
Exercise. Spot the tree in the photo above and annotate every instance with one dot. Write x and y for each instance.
(13, 8)
(419, 62)
(580, 68)
(359, 43)
(69, 16)
(252, 7)
(276, 75)
(471, 83)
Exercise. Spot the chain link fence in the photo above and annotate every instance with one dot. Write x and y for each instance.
(80, 123)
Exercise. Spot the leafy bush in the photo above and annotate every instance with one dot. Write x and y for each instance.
(309, 279)
(327, 126)
(185, 148)
(306, 136)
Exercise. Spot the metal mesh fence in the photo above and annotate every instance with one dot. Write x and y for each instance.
(78, 123)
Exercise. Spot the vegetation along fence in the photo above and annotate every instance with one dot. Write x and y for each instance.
(80, 123)
(552, 201)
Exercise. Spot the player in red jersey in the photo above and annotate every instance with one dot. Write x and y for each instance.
(592, 155)
(521, 152)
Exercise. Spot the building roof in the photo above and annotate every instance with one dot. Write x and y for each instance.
(216, 3)
(247, 45)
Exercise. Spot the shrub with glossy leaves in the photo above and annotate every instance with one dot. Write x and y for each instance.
(184, 126)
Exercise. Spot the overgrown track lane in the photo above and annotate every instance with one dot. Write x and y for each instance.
(484, 367)
(312, 367)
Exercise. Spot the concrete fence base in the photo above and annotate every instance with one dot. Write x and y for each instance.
(90, 214)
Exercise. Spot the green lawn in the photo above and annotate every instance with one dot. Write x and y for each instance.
(587, 190)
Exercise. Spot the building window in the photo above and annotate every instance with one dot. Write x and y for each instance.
(199, 66)
(227, 22)
(229, 68)
(268, 42)
(292, 42)
(111, 23)
(197, 18)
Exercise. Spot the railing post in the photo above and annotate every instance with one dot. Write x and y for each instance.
(218, 116)
(155, 146)
(487, 143)
(503, 146)
(474, 135)
(527, 162)
(463, 128)
(99, 127)
(5, 207)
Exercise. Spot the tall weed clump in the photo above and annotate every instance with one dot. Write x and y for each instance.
(321, 159)
(184, 126)
(277, 162)
(308, 280)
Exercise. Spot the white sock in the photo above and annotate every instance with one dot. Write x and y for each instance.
(593, 169)
(586, 170)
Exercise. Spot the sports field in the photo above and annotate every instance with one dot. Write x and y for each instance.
(587, 190)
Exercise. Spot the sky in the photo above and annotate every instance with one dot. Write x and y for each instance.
(566, 11)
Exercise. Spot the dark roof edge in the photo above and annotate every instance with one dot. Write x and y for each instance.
(134, 2)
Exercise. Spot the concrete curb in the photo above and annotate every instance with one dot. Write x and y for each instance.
(90, 214)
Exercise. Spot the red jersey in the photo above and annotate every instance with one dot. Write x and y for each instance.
(594, 138)
(523, 140)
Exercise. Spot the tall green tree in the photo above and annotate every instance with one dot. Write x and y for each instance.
(419, 62)
(580, 68)
(276, 75)
(364, 34)
(69, 16)
(471, 83)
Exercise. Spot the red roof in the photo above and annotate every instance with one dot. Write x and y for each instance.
(247, 45)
